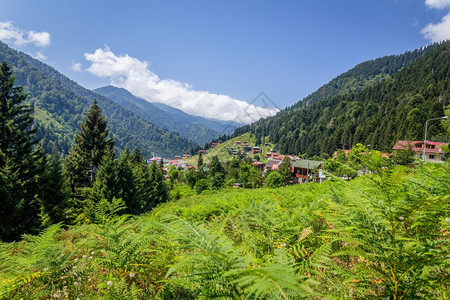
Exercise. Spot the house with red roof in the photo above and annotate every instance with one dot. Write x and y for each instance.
(433, 150)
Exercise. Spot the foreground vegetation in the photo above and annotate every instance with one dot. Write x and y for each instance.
(383, 235)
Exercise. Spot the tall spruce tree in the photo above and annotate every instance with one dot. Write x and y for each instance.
(21, 162)
(87, 152)
(107, 184)
(54, 191)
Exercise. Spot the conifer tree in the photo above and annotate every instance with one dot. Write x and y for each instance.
(217, 172)
(90, 143)
(200, 160)
(159, 191)
(107, 184)
(21, 162)
(127, 179)
(54, 190)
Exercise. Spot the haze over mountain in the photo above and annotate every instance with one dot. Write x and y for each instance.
(197, 129)
(60, 104)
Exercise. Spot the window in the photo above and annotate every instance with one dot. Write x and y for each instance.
(431, 156)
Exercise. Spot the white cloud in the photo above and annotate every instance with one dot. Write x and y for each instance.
(135, 76)
(76, 67)
(438, 4)
(438, 32)
(18, 37)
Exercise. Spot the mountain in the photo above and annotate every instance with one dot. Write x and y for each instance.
(197, 129)
(376, 103)
(60, 104)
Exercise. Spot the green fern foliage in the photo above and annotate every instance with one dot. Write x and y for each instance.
(380, 236)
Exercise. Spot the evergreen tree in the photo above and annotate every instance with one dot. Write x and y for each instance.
(86, 153)
(21, 162)
(54, 191)
(200, 160)
(127, 179)
(107, 184)
(160, 191)
(217, 172)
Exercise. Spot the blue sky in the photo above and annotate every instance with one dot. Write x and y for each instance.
(216, 52)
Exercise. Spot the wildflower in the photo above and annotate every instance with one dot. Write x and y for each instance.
(401, 218)
(447, 219)
(57, 294)
(109, 283)
(75, 283)
(131, 274)
(45, 269)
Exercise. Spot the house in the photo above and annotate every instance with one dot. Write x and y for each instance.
(273, 164)
(201, 151)
(303, 171)
(213, 145)
(256, 150)
(238, 142)
(433, 150)
(259, 165)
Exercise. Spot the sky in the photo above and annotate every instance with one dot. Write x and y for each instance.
(214, 58)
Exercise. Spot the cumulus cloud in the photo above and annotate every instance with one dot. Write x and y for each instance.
(18, 37)
(135, 76)
(438, 32)
(76, 66)
(439, 4)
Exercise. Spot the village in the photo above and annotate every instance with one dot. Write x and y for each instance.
(267, 159)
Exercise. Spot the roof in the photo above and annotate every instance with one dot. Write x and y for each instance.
(405, 145)
(272, 162)
(307, 164)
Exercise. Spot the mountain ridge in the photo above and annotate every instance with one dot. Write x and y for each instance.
(197, 129)
(368, 104)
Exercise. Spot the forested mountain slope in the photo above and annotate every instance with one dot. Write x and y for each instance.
(59, 105)
(376, 103)
(186, 125)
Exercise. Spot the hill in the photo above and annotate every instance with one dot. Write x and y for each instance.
(59, 105)
(225, 154)
(195, 128)
(375, 103)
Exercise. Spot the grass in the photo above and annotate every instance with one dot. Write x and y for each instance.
(224, 155)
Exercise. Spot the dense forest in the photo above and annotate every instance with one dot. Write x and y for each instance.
(376, 103)
(59, 105)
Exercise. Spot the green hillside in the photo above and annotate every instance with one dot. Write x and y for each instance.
(59, 105)
(376, 103)
(224, 155)
(318, 241)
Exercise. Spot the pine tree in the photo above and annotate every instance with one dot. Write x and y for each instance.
(107, 184)
(54, 191)
(86, 153)
(127, 179)
(200, 160)
(217, 172)
(160, 191)
(21, 162)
